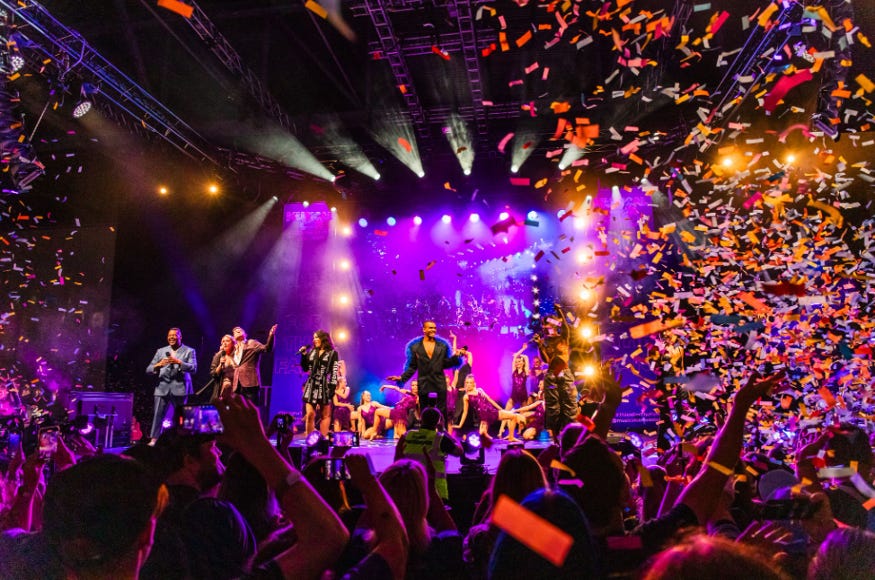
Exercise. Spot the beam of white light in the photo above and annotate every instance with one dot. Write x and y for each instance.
(281, 146)
(459, 136)
(394, 132)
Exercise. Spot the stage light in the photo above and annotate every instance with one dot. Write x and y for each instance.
(503, 216)
(585, 294)
(363, 223)
(727, 162)
(532, 215)
(341, 336)
(213, 189)
(467, 172)
(474, 218)
(163, 190)
(306, 204)
(514, 168)
(333, 178)
(534, 278)
(417, 221)
(346, 231)
(16, 63)
(790, 158)
(447, 218)
(589, 370)
(583, 257)
(420, 174)
(344, 265)
(586, 332)
(343, 299)
(473, 455)
(81, 109)
(377, 177)
(579, 222)
(391, 221)
(333, 209)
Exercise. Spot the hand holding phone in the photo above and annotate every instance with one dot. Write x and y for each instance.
(48, 442)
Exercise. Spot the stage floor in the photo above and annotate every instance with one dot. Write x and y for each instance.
(382, 453)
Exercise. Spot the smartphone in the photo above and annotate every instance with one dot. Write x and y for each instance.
(343, 438)
(799, 508)
(335, 468)
(201, 419)
(282, 424)
(48, 442)
(14, 441)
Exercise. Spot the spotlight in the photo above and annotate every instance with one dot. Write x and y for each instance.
(333, 178)
(81, 109)
(727, 162)
(447, 218)
(417, 221)
(341, 335)
(534, 277)
(343, 299)
(163, 190)
(503, 216)
(377, 177)
(306, 204)
(589, 370)
(421, 174)
(790, 158)
(583, 257)
(344, 265)
(333, 209)
(346, 231)
(474, 218)
(363, 223)
(532, 215)
(579, 223)
(391, 221)
(473, 456)
(586, 294)
(586, 332)
(467, 172)
(16, 63)
(514, 168)
(213, 189)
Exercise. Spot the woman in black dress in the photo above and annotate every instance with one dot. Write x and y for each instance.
(322, 362)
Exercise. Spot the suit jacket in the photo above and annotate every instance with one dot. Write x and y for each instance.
(248, 373)
(429, 371)
(174, 379)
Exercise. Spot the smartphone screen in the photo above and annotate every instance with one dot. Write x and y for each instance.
(201, 419)
(343, 438)
(48, 442)
(335, 468)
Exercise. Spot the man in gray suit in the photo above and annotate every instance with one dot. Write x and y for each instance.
(174, 366)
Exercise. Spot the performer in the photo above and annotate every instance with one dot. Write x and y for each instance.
(223, 368)
(427, 358)
(518, 389)
(457, 385)
(322, 364)
(399, 415)
(174, 367)
(247, 357)
(560, 394)
(369, 421)
(344, 413)
(477, 405)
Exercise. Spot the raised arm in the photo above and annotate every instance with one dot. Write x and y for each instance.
(321, 535)
(268, 346)
(613, 397)
(703, 493)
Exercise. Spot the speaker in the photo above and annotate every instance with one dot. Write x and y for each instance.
(109, 416)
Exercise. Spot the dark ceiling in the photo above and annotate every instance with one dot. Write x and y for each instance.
(655, 71)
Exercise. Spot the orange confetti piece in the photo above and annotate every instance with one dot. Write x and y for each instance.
(316, 8)
(522, 40)
(532, 531)
(406, 144)
(653, 327)
(180, 8)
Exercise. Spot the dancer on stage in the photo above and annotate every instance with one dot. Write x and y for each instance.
(478, 406)
(427, 358)
(457, 384)
(518, 388)
(369, 421)
(399, 415)
(223, 368)
(322, 364)
(247, 357)
(174, 366)
(344, 413)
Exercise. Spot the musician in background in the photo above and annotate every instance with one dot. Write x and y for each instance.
(174, 365)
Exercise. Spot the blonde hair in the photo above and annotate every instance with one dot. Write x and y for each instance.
(405, 482)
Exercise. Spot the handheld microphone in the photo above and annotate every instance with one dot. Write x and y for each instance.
(303, 349)
(167, 354)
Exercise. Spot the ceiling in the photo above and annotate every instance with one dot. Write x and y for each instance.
(664, 82)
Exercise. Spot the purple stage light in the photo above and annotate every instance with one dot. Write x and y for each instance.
(474, 218)
(503, 216)
(391, 221)
(447, 218)
(417, 221)
(363, 223)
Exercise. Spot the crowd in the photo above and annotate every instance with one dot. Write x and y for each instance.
(194, 506)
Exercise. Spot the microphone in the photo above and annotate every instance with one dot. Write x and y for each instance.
(303, 349)
(167, 354)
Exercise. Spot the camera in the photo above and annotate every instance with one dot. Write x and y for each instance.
(200, 419)
(283, 423)
(335, 468)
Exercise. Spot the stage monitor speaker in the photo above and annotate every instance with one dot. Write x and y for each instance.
(109, 414)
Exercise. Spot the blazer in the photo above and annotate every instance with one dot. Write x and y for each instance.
(248, 373)
(174, 379)
(429, 370)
